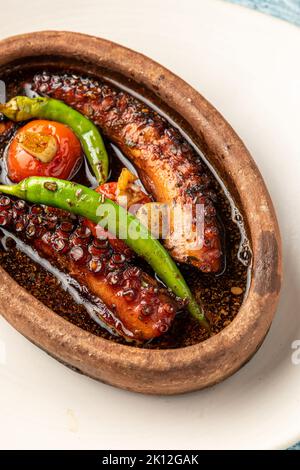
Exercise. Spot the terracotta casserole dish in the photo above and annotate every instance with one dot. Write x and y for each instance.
(156, 371)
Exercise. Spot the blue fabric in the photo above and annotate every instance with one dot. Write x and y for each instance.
(295, 447)
(287, 10)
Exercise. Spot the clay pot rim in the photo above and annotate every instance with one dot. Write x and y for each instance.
(227, 147)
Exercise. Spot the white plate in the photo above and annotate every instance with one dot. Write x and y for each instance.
(247, 65)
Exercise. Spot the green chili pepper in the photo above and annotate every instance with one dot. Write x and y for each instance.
(85, 202)
(22, 108)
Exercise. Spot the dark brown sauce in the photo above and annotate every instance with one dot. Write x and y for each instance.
(221, 295)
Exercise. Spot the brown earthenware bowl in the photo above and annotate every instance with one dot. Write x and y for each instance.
(156, 371)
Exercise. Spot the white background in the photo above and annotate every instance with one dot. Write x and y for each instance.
(247, 65)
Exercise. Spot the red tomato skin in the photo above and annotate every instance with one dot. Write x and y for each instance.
(21, 164)
(108, 190)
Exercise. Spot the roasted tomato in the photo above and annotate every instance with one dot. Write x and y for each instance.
(43, 148)
(108, 190)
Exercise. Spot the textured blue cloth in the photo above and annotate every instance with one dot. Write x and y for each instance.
(287, 10)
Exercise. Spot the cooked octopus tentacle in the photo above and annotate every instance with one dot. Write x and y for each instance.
(167, 165)
(139, 307)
